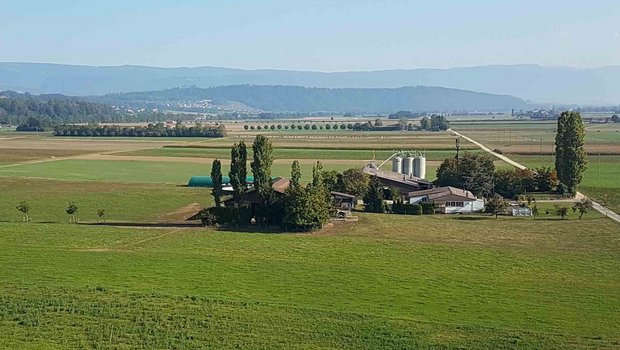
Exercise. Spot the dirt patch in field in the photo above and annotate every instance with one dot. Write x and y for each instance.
(182, 213)
(16, 155)
(83, 145)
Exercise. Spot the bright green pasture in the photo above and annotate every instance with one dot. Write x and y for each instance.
(122, 202)
(387, 281)
(141, 171)
(282, 153)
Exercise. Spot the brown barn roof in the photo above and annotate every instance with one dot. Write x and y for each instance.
(444, 193)
(250, 196)
(390, 175)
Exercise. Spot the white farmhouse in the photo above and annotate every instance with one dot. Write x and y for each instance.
(448, 200)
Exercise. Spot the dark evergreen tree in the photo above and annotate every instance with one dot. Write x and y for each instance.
(261, 169)
(238, 170)
(373, 199)
(216, 176)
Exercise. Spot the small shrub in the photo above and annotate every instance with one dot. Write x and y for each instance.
(208, 219)
(428, 208)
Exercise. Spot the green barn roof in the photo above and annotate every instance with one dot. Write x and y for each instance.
(207, 181)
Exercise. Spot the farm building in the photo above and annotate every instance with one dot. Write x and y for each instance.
(343, 203)
(448, 200)
(250, 198)
(403, 182)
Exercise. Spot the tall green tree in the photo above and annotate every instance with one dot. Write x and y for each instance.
(261, 169)
(261, 165)
(238, 170)
(472, 171)
(373, 199)
(216, 176)
(319, 199)
(295, 174)
(571, 159)
(353, 181)
(306, 208)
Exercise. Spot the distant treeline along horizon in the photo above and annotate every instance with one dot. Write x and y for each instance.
(152, 130)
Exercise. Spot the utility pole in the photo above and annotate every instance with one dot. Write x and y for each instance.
(458, 148)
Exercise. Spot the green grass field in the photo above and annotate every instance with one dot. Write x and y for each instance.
(122, 202)
(130, 171)
(378, 283)
(282, 153)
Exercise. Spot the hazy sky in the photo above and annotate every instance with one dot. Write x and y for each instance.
(319, 35)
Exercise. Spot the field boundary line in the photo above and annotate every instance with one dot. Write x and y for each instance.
(133, 244)
(597, 206)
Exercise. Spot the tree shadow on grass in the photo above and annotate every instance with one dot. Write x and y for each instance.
(146, 224)
(473, 218)
(256, 229)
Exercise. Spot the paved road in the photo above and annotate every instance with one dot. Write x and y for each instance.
(597, 206)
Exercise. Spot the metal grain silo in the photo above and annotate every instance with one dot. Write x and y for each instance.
(408, 166)
(419, 167)
(397, 165)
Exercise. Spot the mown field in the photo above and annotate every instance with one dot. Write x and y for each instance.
(377, 283)
(283, 153)
(139, 202)
(152, 171)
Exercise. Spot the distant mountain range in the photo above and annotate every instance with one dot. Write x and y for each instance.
(530, 82)
(278, 98)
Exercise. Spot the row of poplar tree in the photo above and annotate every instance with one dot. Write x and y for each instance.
(301, 207)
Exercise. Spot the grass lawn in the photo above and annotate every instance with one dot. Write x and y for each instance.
(142, 171)
(387, 281)
(122, 202)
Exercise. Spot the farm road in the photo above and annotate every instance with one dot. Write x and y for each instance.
(597, 206)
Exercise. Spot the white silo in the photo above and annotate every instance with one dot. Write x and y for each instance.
(397, 165)
(419, 167)
(408, 166)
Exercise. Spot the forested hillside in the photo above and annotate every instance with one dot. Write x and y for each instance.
(277, 98)
(42, 111)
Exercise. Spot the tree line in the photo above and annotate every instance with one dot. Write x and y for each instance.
(377, 125)
(152, 130)
(42, 112)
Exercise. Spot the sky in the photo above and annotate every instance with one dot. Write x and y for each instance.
(335, 35)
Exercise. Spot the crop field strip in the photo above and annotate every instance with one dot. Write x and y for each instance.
(130, 171)
(538, 137)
